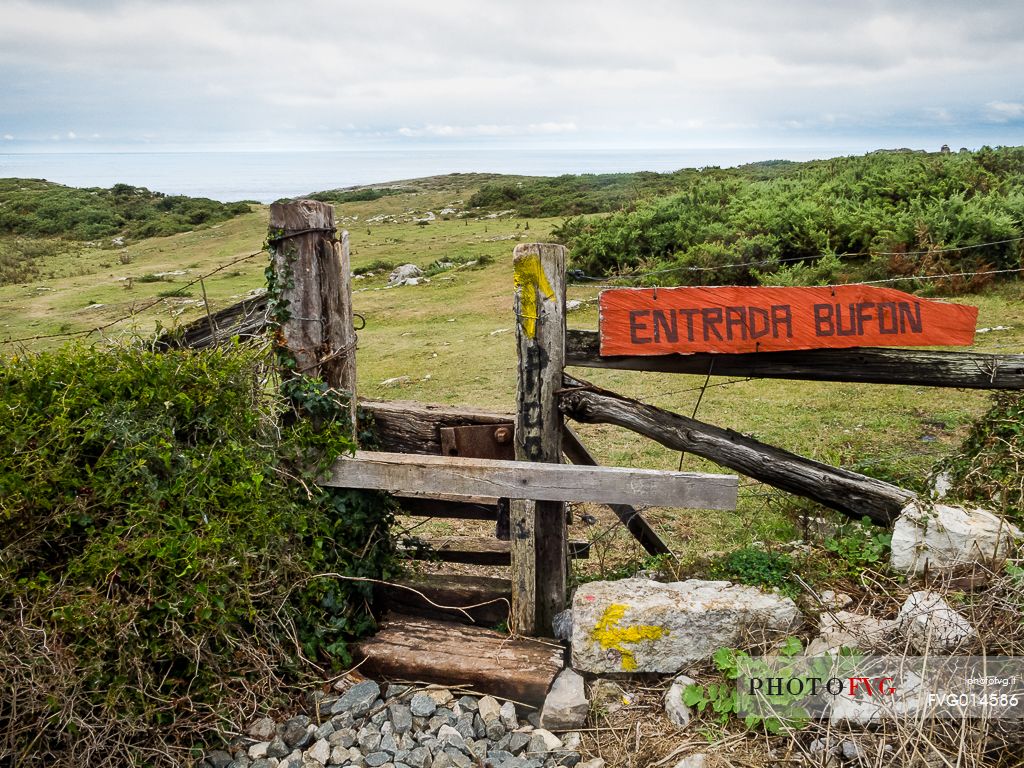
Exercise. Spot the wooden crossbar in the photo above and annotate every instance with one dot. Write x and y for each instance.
(403, 473)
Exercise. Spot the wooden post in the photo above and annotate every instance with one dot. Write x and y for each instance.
(314, 284)
(539, 549)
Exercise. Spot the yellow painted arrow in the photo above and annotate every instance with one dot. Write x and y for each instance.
(533, 287)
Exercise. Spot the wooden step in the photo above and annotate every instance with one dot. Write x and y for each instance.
(477, 551)
(491, 597)
(430, 651)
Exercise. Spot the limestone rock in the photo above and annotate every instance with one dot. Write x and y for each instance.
(263, 729)
(676, 710)
(931, 626)
(566, 705)
(404, 274)
(698, 760)
(943, 536)
(358, 699)
(320, 752)
(845, 629)
(637, 625)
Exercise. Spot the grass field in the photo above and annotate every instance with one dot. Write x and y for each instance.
(453, 339)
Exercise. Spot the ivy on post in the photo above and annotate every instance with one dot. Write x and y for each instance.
(539, 548)
(311, 296)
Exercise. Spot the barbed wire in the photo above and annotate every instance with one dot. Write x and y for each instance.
(136, 310)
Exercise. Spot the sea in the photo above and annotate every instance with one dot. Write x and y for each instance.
(271, 175)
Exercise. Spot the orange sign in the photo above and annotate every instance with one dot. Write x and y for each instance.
(648, 321)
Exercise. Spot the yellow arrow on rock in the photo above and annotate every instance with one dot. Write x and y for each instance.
(533, 287)
(610, 633)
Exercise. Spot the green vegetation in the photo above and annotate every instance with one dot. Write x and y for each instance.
(987, 468)
(43, 209)
(757, 567)
(162, 551)
(882, 215)
(860, 546)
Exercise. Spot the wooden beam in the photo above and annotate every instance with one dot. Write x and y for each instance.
(539, 564)
(247, 320)
(476, 551)
(630, 517)
(848, 492)
(867, 365)
(423, 650)
(404, 426)
(409, 474)
(486, 599)
(446, 508)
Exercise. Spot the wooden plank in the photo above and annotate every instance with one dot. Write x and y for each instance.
(445, 653)
(409, 474)
(247, 320)
(477, 551)
(737, 319)
(866, 365)
(537, 526)
(445, 508)
(848, 492)
(404, 426)
(486, 599)
(629, 516)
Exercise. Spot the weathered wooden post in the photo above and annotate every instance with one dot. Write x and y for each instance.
(312, 282)
(539, 548)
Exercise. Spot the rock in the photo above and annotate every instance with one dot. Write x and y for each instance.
(258, 750)
(394, 690)
(517, 742)
(566, 705)
(277, 748)
(422, 705)
(943, 537)
(835, 601)
(850, 750)
(358, 699)
(263, 729)
(400, 275)
(561, 625)
(294, 732)
(323, 731)
(368, 738)
(508, 716)
(418, 758)
(845, 629)
(468, 704)
(676, 710)
(218, 758)
(489, 709)
(637, 625)
(542, 740)
(339, 755)
(401, 718)
(931, 626)
(396, 381)
(441, 696)
(572, 305)
(320, 752)
(448, 736)
(376, 759)
(343, 737)
(698, 760)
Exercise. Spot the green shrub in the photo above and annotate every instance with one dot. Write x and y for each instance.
(162, 540)
(860, 546)
(757, 567)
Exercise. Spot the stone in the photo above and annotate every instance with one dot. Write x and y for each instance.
(509, 717)
(294, 732)
(277, 748)
(343, 738)
(465, 726)
(638, 625)
(441, 760)
(418, 758)
(675, 709)
(469, 704)
(566, 705)
(394, 690)
(404, 273)
(944, 537)
(357, 700)
(376, 759)
(517, 742)
(856, 631)
(342, 721)
(835, 601)
(401, 718)
(489, 709)
(320, 751)
(263, 729)
(561, 625)
(218, 758)
(571, 740)
(698, 760)
(388, 744)
(566, 757)
(931, 626)
(850, 750)
(258, 750)
(368, 738)
(543, 740)
(422, 705)
(448, 736)
(339, 755)
(607, 697)
(441, 696)
(323, 731)
(263, 763)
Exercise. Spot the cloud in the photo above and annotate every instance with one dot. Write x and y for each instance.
(8, 137)
(598, 71)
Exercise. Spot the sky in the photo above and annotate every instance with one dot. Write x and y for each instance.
(320, 74)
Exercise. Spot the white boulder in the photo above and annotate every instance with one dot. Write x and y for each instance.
(943, 536)
(637, 625)
(566, 705)
(932, 627)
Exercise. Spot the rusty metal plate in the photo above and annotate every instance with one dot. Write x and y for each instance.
(484, 441)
